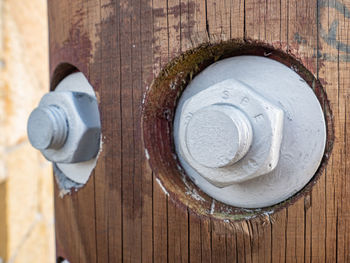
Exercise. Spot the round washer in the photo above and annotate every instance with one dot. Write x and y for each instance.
(304, 130)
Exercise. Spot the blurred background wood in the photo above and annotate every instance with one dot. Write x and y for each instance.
(122, 214)
(26, 184)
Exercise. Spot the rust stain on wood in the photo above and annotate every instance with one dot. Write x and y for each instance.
(76, 48)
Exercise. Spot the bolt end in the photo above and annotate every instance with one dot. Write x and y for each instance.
(218, 136)
(47, 128)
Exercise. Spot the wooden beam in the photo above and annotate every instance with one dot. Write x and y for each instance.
(124, 214)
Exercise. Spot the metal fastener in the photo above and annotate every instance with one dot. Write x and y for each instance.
(218, 132)
(218, 136)
(249, 131)
(66, 127)
(47, 127)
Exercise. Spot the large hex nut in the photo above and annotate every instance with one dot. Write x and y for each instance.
(230, 134)
(80, 111)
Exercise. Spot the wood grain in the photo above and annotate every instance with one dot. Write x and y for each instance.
(123, 214)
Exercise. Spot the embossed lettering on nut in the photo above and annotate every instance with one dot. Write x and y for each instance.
(249, 131)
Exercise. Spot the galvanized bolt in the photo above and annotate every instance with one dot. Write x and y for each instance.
(47, 127)
(249, 131)
(66, 127)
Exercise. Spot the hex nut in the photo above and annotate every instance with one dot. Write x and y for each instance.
(83, 122)
(260, 154)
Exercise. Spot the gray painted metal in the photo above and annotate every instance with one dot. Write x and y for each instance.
(288, 131)
(47, 127)
(66, 127)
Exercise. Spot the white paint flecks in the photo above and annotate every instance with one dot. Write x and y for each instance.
(146, 154)
(194, 194)
(289, 131)
(212, 207)
(162, 186)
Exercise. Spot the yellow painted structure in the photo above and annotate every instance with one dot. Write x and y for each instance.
(26, 183)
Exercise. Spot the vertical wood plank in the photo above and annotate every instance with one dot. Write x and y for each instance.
(198, 25)
(302, 32)
(237, 19)
(104, 167)
(318, 236)
(160, 224)
(206, 241)
(218, 19)
(178, 246)
(174, 27)
(160, 198)
(255, 239)
(194, 238)
(295, 232)
(218, 242)
(278, 228)
(146, 16)
(111, 234)
(333, 60)
(265, 243)
(131, 98)
(231, 249)
(307, 227)
(247, 240)
(240, 244)
(343, 47)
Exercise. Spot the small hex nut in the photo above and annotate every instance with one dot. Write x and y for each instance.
(266, 120)
(84, 127)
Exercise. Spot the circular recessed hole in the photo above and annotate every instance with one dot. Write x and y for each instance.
(158, 119)
(288, 126)
(67, 77)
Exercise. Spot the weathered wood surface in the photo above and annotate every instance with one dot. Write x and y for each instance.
(122, 214)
